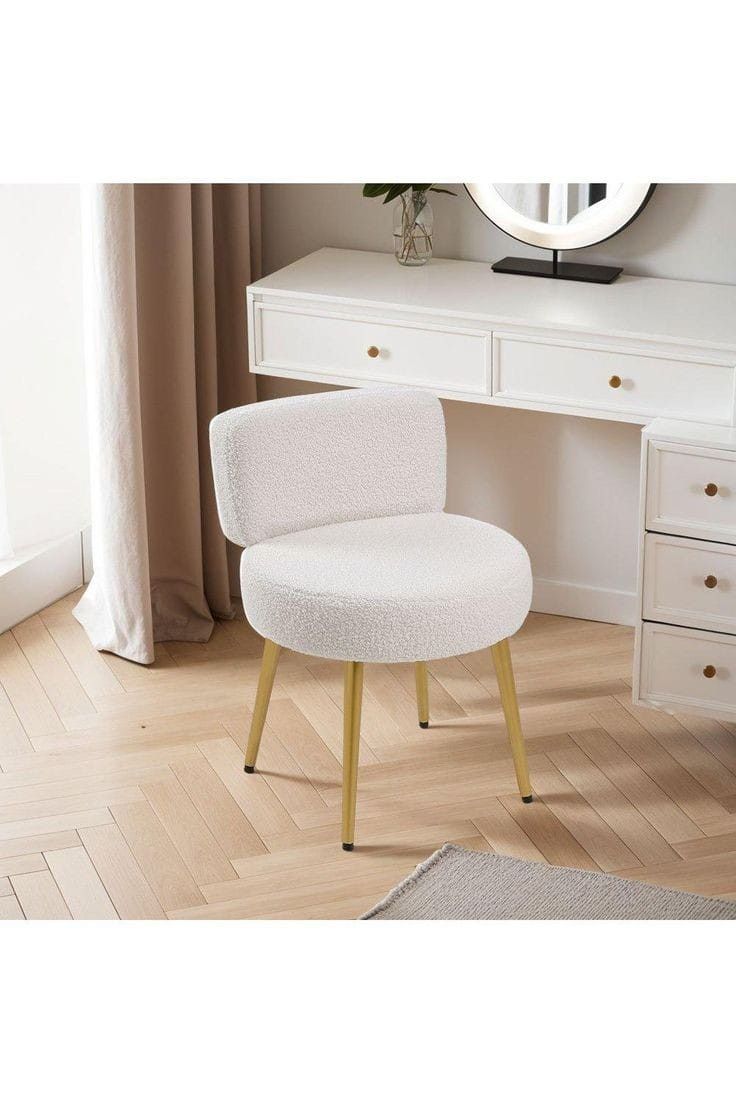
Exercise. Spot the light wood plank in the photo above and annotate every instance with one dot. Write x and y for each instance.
(287, 780)
(218, 808)
(88, 665)
(80, 885)
(410, 843)
(682, 746)
(377, 728)
(27, 696)
(24, 770)
(199, 849)
(43, 825)
(40, 897)
(323, 714)
(305, 745)
(63, 688)
(715, 736)
(115, 734)
(591, 832)
(442, 706)
(128, 781)
(630, 776)
(718, 844)
(121, 875)
(462, 686)
(553, 840)
(13, 739)
(712, 875)
(10, 909)
(611, 805)
(162, 865)
(58, 806)
(22, 864)
(27, 845)
(346, 908)
(327, 883)
(251, 791)
(326, 896)
(505, 835)
(383, 686)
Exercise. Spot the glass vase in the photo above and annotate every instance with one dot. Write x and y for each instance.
(413, 222)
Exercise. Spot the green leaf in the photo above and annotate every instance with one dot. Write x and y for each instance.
(445, 191)
(421, 187)
(395, 191)
(370, 191)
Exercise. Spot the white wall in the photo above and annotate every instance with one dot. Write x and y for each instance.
(567, 487)
(42, 398)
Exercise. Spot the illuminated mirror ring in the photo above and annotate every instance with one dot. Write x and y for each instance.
(598, 222)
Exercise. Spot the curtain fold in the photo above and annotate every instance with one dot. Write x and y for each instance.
(166, 267)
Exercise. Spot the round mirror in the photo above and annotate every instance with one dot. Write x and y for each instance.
(561, 216)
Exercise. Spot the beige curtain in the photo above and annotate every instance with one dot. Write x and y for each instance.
(166, 267)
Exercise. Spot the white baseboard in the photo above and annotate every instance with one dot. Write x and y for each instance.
(41, 576)
(590, 603)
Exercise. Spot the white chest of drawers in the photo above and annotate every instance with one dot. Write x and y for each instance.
(685, 657)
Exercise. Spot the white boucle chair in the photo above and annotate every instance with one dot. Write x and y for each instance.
(338, 500)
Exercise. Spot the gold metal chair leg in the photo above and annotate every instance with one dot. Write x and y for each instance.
(505, 675)
(271, 653)
(350, 750)
(420, 672)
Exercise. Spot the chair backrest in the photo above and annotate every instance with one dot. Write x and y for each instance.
(296, 463)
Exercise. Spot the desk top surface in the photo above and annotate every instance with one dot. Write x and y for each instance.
(642, 307)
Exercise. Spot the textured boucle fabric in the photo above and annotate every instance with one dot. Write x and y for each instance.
(390, 589)
(458, 884)
(296, 463)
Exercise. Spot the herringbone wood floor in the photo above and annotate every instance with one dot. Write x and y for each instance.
(122, 791)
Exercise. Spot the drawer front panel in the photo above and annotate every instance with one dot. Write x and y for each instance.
(344, 347)
(672, 664)
(688, 582)
(691, 492)
(638, 385)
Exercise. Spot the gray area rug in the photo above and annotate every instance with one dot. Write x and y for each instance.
(458, 884)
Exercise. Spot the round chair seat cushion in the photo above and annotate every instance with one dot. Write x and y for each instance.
(389, 589)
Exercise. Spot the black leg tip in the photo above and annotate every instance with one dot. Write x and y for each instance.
(347, 847)
(424, 724)
(249, 770)
(527, 800)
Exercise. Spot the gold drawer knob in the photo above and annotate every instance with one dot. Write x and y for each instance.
(711, 489)
(710, 581)
(614, 381)
(709, 671)
(373, 351)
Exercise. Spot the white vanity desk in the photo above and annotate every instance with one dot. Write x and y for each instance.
(636, 350)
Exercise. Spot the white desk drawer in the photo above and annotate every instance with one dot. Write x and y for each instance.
(673, 662)
(689, 582)
(569, 374)
(345, 348)
(691, 491)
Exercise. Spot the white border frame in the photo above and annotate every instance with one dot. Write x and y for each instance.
(614, 214)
